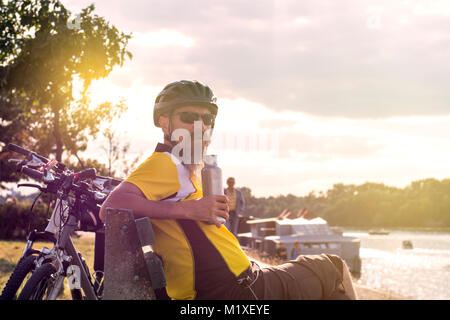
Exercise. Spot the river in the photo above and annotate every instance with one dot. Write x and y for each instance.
(419, 273)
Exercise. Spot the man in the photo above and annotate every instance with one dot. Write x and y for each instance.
(236, 206)
(201, 258)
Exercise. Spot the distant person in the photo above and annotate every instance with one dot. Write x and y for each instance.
(295, 252)
(282, 252)
(236, 204)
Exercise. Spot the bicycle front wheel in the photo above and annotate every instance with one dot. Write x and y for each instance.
(25, 266)
(41, 283)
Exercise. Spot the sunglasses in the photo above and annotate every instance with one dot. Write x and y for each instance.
(190, 117)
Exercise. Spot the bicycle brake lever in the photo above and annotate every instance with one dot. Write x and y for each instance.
(14, 160)
(48, 176)
(31, 185)
(34, 161)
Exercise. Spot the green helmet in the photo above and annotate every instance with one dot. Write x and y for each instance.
(183, 93)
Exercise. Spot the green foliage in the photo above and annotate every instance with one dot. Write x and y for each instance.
(42, 53)
(16, 220)
(424, 203)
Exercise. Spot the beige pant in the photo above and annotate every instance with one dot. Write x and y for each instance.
(312, 277)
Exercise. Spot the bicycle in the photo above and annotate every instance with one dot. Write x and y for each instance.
(78, 199)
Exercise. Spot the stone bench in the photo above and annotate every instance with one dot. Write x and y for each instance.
(132, 270)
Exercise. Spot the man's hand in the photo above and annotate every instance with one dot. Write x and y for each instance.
(206, 209)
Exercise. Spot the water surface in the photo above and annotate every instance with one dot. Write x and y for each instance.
(420, 273)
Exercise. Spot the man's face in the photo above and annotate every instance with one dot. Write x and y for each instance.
(230, 183)
(201, 127)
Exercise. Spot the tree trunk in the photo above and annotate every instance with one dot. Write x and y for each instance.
(57, 130)
(79, 161)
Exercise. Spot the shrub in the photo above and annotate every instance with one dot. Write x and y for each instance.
(16, 220)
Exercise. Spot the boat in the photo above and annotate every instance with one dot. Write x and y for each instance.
(312, 233)
(382, 232)
(407, 244)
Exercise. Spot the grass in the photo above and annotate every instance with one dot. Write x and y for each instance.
(11, 251)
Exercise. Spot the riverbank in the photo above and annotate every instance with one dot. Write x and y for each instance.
(366, 293)
(11, 251)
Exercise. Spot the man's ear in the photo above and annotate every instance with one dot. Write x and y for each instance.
(164, 124)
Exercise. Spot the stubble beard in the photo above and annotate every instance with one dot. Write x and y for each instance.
(195, 169)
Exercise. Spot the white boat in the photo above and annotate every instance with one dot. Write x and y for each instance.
(382, 232)
(313, 234)
(407, 244)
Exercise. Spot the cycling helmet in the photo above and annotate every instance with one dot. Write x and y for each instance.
(183, 93)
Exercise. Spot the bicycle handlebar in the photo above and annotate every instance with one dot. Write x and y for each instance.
(114, 182)
(18, 149)
(106, 183)
(32, 173)
(86, 174)
(15, 148)
(86, 189)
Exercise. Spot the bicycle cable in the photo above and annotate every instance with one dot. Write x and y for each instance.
(31, 212)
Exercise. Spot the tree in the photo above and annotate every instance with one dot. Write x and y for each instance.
(424, 203)
(41, 55)
(116, 152)
(12, 127)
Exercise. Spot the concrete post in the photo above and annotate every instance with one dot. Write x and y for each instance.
(126, 273)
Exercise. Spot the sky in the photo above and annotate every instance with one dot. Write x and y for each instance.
(310, 93)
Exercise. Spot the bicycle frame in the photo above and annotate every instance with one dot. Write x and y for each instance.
(65, 243)
(64, 253)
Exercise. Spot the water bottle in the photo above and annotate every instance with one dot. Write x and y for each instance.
(212, 179)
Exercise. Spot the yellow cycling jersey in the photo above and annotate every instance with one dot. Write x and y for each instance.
(196, 256)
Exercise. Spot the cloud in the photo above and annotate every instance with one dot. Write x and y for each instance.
(347, 58)
(352, 91)
(161, 38)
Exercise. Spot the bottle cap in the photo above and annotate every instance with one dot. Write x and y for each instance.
(211, 160)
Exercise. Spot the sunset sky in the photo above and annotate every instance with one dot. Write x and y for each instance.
(317, 92)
